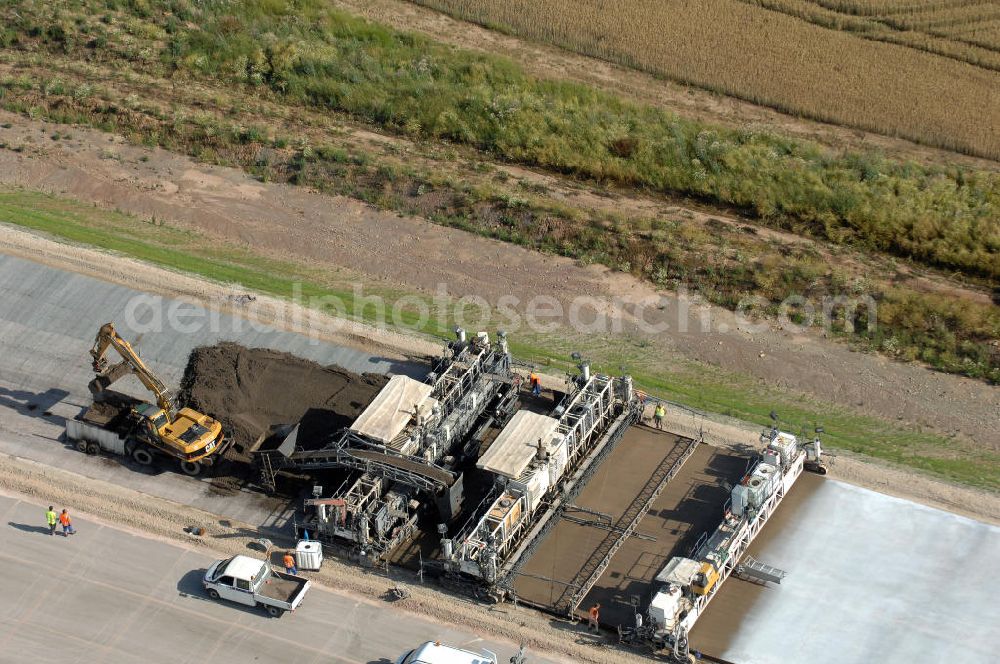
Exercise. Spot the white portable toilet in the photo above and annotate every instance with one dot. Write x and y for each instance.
(309, 554)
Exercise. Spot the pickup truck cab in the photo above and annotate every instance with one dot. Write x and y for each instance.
(250, 581)
(435, 653)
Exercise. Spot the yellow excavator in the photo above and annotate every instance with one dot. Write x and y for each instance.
(147, 430)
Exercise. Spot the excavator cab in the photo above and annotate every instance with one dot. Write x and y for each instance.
(191, 436)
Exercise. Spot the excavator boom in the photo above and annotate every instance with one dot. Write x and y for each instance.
(108, 337)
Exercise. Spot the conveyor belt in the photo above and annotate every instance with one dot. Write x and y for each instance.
(439, 475)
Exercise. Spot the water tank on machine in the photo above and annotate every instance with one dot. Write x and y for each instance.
(758, 491)
(308, 555)
(741, 497)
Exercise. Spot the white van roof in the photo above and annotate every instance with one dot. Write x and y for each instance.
(244, 567)
(435, 653)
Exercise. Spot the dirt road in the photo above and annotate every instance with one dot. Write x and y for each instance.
(340, 234)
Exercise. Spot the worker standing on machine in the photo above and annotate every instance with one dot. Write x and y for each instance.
(658, 414)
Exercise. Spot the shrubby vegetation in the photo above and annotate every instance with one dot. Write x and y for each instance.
(324, 60)
(312, 54)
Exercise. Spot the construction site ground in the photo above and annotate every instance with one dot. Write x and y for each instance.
(691, 504)
(48, 317)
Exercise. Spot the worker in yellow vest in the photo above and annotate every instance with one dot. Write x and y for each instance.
(658, 414)
(52, 518)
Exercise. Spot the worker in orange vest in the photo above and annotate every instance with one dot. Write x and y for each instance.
(67, 524)
(290, 563)
(535, 383)
(594, 618)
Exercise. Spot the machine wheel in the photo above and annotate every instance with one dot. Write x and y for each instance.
(213, 593)
(818, 468)
(191, 468)
(274, 612)
(93, 449)
(81, 445)
(142, 456)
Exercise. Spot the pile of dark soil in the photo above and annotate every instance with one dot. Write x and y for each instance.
(251, 389)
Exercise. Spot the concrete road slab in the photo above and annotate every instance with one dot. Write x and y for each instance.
(870, 578)
(108, 596)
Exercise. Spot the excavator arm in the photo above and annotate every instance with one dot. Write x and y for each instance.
(107, 338)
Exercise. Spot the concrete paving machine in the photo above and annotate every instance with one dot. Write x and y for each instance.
(406, 449)
(687, 584)
(536, 462)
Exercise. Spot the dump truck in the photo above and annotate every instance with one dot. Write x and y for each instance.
(120, 424)
(252, 582)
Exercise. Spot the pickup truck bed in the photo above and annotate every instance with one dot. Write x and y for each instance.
(283, 588)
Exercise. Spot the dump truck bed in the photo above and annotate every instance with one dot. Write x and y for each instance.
(107, 422)
(112, 412)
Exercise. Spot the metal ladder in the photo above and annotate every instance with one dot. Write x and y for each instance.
(267, 472)
(755, 571)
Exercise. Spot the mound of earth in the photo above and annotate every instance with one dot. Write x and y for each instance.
(252, 389)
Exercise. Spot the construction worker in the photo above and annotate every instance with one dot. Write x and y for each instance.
(67, 524)
(594, 617)
(536, 384)
(52, 518)
(658, 414)
(289, 561)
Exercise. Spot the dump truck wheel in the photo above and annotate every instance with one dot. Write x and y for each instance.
(191, 468)
(142, 456)
(274, 612)
(81, 445)
(213, 593)
(93, 449)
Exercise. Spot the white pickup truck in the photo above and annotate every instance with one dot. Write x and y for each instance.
(434, 653)
(252, 582)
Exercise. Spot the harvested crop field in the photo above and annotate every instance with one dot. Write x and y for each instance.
(251, 389)
(882, 68)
